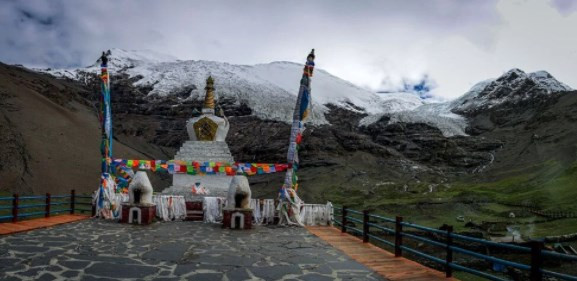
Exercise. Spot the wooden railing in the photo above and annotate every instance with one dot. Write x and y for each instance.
(42, 206)
(397, 228)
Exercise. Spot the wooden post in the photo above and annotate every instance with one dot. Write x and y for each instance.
(449, 257)
(365, 226)
(398, 236)
(344, 219)
(47, 207)
(536, 260)
(15, 208)
(72, 200)
(93, 209)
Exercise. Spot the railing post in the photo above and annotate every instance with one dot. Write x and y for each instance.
(72, 200)
(536, 260)
(15, 208)
(344, 219)
(47, 207)
(365, 226)
(93, 209)
(449, 257)
(398, 236)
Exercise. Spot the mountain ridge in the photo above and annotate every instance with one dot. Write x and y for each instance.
(270, 89)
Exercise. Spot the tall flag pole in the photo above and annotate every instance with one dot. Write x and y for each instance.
(290, 202)
(106, 201)
(105, 116)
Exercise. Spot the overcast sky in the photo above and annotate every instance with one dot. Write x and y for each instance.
(379, 45)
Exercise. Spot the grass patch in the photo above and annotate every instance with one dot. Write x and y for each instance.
(552, 188)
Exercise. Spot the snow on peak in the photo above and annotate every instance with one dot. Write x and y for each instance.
(326, 88)
(513, 86)
(546, 79)
(120, 58)
(270, 90)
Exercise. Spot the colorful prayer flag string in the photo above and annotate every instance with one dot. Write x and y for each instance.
(121, 166)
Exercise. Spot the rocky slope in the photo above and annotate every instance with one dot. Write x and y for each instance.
(49, 135)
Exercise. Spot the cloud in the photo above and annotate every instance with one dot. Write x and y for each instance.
(370, 43)
(422, 86)
(565, 7)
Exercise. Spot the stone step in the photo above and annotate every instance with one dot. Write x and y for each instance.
(201, 159)
(194, 218)
(206, 155)
(194, 215)
(204, 144)
(204, 152)
(207, 144)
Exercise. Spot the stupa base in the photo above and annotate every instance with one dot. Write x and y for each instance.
(237, 218)
(138, 213)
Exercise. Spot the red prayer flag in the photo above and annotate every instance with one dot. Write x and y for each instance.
(299, 138)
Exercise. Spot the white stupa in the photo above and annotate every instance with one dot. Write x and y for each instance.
(207, 134)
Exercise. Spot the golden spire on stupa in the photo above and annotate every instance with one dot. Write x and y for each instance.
(209, 98)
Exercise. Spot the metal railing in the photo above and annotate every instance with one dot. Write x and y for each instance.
(536, 251)
(62, 203)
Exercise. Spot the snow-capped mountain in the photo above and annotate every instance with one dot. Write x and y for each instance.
(512, 87)
(119, 61)
(270, 90)
(450, 117)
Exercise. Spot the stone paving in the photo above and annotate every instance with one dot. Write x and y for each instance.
(105, 250)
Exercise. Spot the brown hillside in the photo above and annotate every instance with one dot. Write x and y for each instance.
(49, 135)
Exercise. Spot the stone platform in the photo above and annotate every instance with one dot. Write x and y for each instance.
(105, 250)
